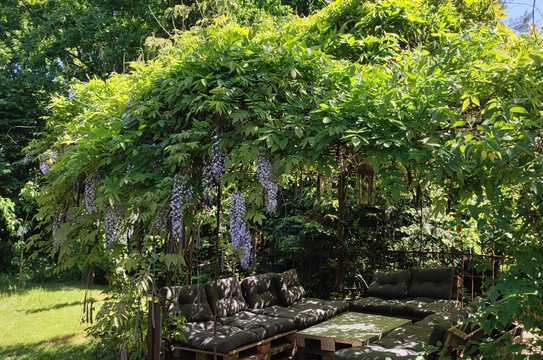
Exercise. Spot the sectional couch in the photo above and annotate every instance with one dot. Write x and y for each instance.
(224, 315)
(425, 296)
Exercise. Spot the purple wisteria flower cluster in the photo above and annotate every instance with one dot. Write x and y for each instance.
(160, 220)
(213, 170)
(112, 224)
(239, 234)
(27, 159)
(47, 160)
(264, 175)
(91, 183)
(181, 194)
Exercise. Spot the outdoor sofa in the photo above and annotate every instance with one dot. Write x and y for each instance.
(226, 314)
(425, 296)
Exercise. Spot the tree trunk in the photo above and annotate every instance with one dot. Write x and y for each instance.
(340, 231)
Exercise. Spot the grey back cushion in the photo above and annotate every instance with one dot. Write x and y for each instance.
(225, 297)
(392, 285)
(190, 301)
(260, 291)
(289, 287)
(432, 283)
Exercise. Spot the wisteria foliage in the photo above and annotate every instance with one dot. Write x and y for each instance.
(239, 233)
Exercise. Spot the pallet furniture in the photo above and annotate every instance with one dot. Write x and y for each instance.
(281, 344)
(349, 329)
(252, 319)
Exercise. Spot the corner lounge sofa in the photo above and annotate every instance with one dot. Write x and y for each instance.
(264, 306)
(425, 296)
(226, 315)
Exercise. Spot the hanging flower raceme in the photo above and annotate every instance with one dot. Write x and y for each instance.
(27, 159)
(47, 160)
(239, 234)
(161, 219)
(213, 170)
(264, 175)
(91, 183)
(112, 224)
(181, 194)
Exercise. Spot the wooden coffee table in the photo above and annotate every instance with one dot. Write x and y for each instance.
(345, 330)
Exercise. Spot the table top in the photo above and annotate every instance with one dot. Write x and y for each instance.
(354, 327)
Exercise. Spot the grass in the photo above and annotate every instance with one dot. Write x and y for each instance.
(42, 321)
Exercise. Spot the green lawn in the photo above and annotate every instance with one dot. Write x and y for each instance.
(42, 321)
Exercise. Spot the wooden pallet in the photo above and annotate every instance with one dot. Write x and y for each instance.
(283, 344)
(323, 346)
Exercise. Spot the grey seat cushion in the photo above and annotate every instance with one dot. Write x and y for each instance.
(411, 336)
(406, 342)
(429, 306)
(260, 291)
(411, 308)
(190, 301)
(304, 316)
(432, 283)
(333, 307)
(225, 298)
(289, 288)
(263, 325)
(393, 307)
(223, 339)
(392, 285)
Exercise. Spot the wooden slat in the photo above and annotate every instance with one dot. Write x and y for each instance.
(328, 344)
(263, 351)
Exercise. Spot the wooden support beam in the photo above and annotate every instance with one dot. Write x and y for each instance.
(154, 336)
(263, 351)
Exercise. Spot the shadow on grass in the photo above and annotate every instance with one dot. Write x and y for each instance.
(10, 286)
(58, 348)
(54, 307)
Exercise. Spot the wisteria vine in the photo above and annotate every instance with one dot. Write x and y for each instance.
(239, 233)
(264, 175)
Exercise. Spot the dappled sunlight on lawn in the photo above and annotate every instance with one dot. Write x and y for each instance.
(43, 322)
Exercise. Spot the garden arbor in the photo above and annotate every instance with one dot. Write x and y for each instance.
(205, 137)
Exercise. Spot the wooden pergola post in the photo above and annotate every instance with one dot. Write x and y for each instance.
(155, 331)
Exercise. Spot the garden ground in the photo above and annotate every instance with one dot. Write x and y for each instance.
(42, 321)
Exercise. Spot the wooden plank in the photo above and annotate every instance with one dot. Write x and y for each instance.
(300, 340)
(263, 351)
(328, 344)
